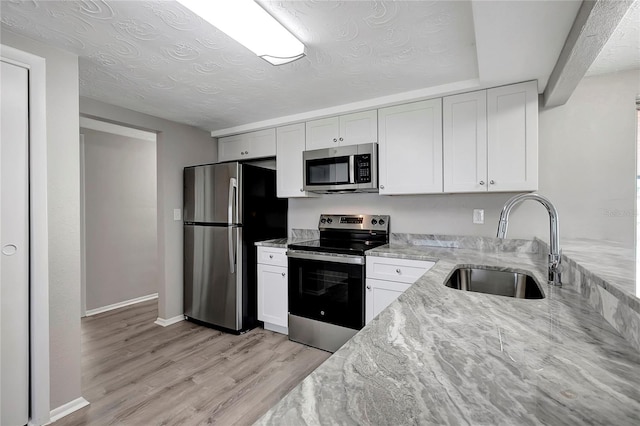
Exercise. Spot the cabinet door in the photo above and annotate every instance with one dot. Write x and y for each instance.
(512, 119)
(289, 147)
(464, 120)
(272, 295)
(261, 144)
(247, 146)
(410, 148)
(381, 294)
(232, 148)
(361, 127)
(322, 133)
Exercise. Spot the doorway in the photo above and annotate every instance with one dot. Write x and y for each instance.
(118, 216)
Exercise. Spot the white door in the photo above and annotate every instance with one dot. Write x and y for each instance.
(381, 294)
(322, 133)
(14, 245)
(410, 148)
(357, 128)
(464, 119)
(289, 148)
(272, 295)
(512, 137)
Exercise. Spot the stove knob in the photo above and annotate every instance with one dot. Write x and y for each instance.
(329, 220)
(323, 220)
(381, 221)
(373, 221)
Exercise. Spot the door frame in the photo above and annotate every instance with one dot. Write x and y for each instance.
(38, 229)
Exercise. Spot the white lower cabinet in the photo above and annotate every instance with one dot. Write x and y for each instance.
(387, 279)
(272, 289)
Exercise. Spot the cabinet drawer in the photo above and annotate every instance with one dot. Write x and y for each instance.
(272, 256)
(398, 270)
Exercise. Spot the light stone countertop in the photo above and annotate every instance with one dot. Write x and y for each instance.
(281, 242)
(443, 356)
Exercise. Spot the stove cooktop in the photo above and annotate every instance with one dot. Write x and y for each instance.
(348, 234)
(337, 246)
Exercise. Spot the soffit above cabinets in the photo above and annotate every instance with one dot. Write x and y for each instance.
(622, 51)
(158, 58)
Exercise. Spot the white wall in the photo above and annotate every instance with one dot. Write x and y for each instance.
(63, 212)
(587, 169)
(178, 145)
(120, 218)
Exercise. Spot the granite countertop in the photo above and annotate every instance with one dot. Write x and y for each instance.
(443, 356)
(282, 242)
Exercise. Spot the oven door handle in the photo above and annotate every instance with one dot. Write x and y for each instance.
(353, 260)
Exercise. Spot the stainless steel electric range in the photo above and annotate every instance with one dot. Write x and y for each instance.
(327, 279)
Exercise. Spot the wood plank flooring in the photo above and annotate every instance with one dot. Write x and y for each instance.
(137, 373)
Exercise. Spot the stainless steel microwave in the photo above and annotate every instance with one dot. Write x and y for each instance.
(351, 168)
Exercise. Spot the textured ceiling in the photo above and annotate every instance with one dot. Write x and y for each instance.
(158, 58)
(622, 51)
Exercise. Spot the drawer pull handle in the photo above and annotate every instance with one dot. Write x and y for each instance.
(398, 271)
(368, 287)
(270, 256)
(283, 274)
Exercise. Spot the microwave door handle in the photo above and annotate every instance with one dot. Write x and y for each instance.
(352, 171)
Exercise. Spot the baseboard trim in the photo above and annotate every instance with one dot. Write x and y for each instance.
(118, 305)
(68, 408)
(167, 322)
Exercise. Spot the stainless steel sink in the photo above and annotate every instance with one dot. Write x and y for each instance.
(501, 283)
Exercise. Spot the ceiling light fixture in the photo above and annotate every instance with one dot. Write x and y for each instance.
(250, 25)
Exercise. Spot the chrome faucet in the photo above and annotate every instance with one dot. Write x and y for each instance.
(555, 254)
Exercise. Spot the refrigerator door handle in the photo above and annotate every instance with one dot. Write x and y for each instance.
(233, 185)
(232, 252)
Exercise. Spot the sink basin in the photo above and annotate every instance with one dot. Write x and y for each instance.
(501, 283)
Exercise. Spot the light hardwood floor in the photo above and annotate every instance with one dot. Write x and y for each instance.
(137, 373)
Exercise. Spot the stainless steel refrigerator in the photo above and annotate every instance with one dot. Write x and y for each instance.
(227, 208)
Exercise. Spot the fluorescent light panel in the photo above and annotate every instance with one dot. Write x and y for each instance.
(250, 25)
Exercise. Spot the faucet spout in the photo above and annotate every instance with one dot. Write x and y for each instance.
(555, 253)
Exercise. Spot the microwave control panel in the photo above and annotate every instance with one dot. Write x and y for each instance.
(363, 168)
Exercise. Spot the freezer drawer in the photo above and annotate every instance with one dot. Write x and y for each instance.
(212, 278)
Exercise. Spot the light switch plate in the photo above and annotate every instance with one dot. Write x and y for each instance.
(177, 214)
(478, 216)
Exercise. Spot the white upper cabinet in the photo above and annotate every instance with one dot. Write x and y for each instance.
(350, 129)
(290, 143)
(410, 148)
(464, 119)
(512, 137)
(491, 140)
(247, 146)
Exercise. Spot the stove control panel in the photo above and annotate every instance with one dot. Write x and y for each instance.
(356, 222)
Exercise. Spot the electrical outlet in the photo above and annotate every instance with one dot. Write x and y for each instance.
(177, 214)
(478, 216)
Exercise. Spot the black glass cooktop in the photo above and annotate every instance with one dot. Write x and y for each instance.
(337, 246)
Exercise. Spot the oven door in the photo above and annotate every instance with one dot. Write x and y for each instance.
(327, 288)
